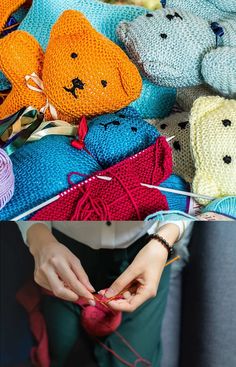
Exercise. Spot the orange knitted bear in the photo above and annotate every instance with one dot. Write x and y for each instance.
(81, 73)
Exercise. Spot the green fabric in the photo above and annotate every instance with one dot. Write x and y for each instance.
(141, 328)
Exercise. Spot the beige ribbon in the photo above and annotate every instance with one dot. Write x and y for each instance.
(35, 78)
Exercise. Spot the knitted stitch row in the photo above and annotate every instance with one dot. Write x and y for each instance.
(41, 168)
(121, 198)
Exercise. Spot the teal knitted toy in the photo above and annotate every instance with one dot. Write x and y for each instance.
(212, 10)
(154, 101)
(176, 48)
(41, 168)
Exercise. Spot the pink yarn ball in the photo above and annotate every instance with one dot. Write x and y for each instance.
(7, 180)
(99, 320)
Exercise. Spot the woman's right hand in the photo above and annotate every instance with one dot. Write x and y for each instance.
(58, 270)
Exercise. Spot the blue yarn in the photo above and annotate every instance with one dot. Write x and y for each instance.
(175, 201)
(170, 215)
(41, 168)
(155, 101)
(225, 206)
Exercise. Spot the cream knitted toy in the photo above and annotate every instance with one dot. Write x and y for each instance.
(213, 143)
(177, 125)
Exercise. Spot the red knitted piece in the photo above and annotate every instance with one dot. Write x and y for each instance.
(122, 198)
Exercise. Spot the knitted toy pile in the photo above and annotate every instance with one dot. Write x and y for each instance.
(120, 198)
(154, 101)
(176, 48)
(41, 168)
(83, 73)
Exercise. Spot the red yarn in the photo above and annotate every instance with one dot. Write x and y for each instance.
(100, 320)
(121, 198)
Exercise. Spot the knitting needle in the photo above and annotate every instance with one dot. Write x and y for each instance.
(179, 192)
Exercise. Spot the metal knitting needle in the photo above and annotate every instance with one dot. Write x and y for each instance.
(179, 192)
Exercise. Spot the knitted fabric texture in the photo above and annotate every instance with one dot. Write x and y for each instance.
(225, 206)
(45, 164)
(154, 101)
(83, 72)
(213, 142)
(177, 125)
(176, 201)
(187, 96)
(122, 197)
(9, 19)
(177, 49)
(212, 10)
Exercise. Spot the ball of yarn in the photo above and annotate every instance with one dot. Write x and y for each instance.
(6, 179)
(100, 320)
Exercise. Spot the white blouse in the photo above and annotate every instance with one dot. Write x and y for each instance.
(110, 235)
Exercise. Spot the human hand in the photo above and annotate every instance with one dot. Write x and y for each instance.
(141, 279)
(58, 270)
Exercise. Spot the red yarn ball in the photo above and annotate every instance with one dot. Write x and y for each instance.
(99, 320)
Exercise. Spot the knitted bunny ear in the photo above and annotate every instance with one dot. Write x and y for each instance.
(203, 106)
(219, 70)
(20, 55)
(70, 22)
(7, 8)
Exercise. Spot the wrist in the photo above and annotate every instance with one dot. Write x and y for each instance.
(164, 244)
(38, 237)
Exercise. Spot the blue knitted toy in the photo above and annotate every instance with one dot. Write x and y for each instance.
(213, 10)
(178, 49)
(41, 168)
(154, 101)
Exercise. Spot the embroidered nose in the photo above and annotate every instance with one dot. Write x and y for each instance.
(77, 83)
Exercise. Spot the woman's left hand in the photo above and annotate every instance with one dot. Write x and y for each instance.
(145, 271)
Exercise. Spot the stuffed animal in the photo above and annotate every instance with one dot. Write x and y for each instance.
(176, 48)
(154, 101)
(212, 10)
(177, 125)
(39, 174)
(213, 143)
(121, 197)
(83, 73)
(188, 95)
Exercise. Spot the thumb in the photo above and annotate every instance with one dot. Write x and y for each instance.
(122, 282)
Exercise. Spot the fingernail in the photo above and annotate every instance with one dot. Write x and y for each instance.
(109, 293)
(92, 303)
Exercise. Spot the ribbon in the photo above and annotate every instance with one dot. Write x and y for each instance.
(218, 30)
(35, 78)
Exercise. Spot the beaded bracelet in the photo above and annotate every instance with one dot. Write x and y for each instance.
(169, 248)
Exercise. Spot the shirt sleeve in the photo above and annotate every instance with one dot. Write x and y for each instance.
(25, 226)
(182, 224)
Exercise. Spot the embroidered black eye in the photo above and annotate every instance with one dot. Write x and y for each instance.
(104, 83)
(134, 129)
(149, 15)
(176, 15)
(163, 126)
(163, 35)
(226, 123)
(227, 159)
(176, 145)
(116, 123)
(183, 125)
(121, 116)
(74, 55)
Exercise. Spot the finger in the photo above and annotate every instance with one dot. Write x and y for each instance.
(58, 288)
(122, 282)
(81, 274)
(66, 274)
